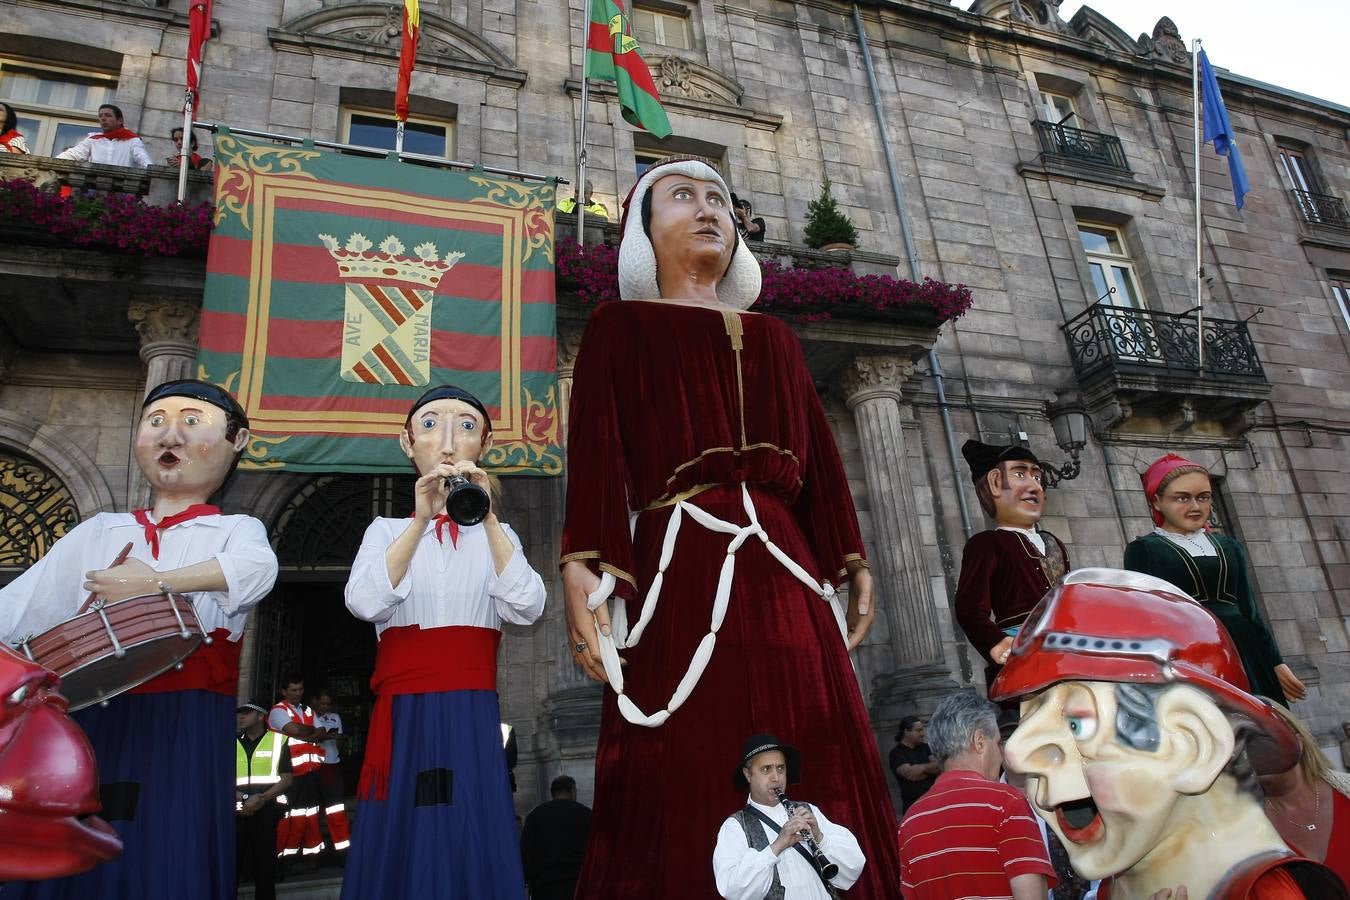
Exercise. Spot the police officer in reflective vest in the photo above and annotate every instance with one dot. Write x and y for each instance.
(262, 773)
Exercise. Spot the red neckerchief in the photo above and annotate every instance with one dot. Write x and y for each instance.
(9, 136)
(152, 529)
(117, 134)
(444, 521)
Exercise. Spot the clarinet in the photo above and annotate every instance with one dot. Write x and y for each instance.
(824, 867)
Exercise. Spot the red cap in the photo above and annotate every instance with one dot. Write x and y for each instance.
(1112, 625)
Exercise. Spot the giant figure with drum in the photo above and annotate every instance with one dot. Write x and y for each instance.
(159, 594)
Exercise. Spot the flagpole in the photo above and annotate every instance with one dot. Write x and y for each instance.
(185, 151)
(580, 187)
(1199, 262)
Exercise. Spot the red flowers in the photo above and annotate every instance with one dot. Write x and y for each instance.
(810, 294)
(113, 221)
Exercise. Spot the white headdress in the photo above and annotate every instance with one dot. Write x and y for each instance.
(740, 284)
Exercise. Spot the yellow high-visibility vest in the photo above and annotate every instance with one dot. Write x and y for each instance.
(260, 770)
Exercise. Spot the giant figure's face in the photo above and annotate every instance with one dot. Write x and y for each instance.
(1185, 503)
(445, 431)
(1019, 496)
(1110, 803)
(691, 227)
(181, 446)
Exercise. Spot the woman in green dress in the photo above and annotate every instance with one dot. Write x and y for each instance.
(1212, 568)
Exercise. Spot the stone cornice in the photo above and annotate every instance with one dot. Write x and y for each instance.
(702, 109)
(1050, 171)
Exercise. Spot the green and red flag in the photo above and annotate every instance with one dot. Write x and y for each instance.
(613, 54)
(407, 57)
(339, 288)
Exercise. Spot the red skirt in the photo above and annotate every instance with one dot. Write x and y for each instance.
(779, 666)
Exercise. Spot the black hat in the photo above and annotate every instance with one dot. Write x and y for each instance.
(982, 458)
(199, 390)
(763, 743)
(252, 706)
(451, 392)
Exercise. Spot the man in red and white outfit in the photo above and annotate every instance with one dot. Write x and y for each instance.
(331, 791)
(299, 833)
(113, 145)
(165, 757)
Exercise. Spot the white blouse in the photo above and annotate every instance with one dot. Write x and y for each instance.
(51, 591)
(1197, 543)
(446, 584)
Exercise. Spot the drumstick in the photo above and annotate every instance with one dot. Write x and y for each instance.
(121, 558)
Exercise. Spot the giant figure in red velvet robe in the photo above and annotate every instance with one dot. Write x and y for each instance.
(701, 402)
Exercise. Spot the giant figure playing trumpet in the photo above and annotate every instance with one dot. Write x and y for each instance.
(164, 750)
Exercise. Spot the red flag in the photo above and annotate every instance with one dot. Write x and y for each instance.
(199, 32)
(407, 57)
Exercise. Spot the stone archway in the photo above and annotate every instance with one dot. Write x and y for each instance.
(36, 509)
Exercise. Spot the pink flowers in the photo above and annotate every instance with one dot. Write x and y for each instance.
(114, 221)
(808, 294)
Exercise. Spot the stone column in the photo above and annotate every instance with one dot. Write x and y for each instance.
(571, 717)
(168, 330)
(871, 385)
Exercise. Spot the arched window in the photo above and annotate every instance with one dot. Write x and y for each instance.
(35, 510)
(320, 529)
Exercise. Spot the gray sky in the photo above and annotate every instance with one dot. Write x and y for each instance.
(1296, 44)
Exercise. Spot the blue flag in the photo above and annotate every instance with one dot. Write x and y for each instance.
(1219, 130)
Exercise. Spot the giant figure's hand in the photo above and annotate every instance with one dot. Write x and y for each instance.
(998, 654)
(132, 578)
(1293, 688)
(579, 582)
(860, 607)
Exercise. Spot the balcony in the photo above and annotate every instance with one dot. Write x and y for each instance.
(1321, 209)
(1076, 147)
(1140, 370)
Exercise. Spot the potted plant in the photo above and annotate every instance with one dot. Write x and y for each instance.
(827, 228)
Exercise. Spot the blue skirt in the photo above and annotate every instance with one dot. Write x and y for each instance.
(447, 827)
(166, 760)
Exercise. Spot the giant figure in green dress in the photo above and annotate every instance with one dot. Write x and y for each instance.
(1210, 567)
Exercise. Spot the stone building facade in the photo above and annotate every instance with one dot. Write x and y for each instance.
(1046, 164)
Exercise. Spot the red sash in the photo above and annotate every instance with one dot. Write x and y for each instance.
(413, 660)
(211, 667)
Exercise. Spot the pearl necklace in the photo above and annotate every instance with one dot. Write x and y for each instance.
(1317, 809)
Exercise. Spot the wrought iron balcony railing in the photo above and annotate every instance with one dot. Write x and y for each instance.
(1074, 146)
(1321, 209)
(1140, 341)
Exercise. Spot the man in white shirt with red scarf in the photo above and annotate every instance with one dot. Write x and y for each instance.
(113, 145)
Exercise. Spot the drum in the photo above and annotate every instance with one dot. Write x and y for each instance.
(115, 647)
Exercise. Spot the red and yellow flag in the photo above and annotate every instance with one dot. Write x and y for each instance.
(407, 57)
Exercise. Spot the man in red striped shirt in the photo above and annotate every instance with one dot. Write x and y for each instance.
(971, 836)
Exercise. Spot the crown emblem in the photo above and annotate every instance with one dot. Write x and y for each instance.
(359, 262)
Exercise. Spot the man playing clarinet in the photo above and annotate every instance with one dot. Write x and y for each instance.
(776, 848)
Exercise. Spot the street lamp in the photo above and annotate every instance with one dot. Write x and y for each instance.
(1070, 422)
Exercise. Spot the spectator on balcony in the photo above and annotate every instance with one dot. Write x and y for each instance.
(113, 145)
(11, 141)
(592, 206)
(750, 226)
(195, 160)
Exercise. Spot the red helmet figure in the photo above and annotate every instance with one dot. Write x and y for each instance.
(48, 781)
(1141, 742)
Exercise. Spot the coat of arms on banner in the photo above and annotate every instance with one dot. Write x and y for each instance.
(386, 324)
(340, 287)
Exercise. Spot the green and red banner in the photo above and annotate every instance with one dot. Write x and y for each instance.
(613, 54)
(340, 288)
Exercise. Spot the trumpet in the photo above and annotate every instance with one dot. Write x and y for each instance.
(824, 867)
